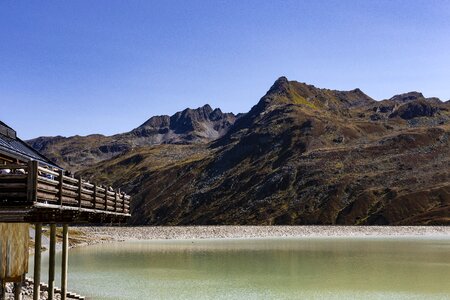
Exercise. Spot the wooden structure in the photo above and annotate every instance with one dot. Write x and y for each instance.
(34, 190)
(40, 193)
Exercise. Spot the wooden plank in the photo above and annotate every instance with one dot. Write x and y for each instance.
(47, 197)
(70, 187)
(86, 191)
(12, 177)
(13, 166)
(99, 200)
(68, 200)
(88, 185)
(48, 171)
(47, 188)
(13, 185)
(70, 179)
(87, 204)
(71, 194)
(72, 208)
(47, 180)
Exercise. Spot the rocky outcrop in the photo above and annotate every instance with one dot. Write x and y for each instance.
(415, 109)
(188, 125)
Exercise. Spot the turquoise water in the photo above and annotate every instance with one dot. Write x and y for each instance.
(322, 268)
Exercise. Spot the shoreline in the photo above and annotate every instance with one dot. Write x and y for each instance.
(96, 235)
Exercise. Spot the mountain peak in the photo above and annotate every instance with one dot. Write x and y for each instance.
(284, 91)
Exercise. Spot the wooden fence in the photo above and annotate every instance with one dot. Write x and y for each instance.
(33, 182)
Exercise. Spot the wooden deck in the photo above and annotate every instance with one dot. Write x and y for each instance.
(38, 193)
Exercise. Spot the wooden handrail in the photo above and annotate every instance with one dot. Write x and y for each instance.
(40, 183)
(47, 171)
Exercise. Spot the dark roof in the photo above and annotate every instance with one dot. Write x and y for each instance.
(4, 125)
(11, 144)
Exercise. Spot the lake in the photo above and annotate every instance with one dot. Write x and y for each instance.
(275, 268)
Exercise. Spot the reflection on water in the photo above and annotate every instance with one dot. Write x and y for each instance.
(325, 268)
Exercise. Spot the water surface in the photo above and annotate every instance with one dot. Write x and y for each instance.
(321, 268)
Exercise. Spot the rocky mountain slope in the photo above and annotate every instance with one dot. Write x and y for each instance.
(189, 126)
(302, 155)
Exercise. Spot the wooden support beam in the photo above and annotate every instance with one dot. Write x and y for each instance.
(64, 262)
(51, 263)
(2, 290)
(18, 290)
(37, 260)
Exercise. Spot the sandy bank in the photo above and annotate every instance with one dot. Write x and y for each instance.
(202, 232)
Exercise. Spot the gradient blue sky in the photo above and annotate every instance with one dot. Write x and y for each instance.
(82, 67)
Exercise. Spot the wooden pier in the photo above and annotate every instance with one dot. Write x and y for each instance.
(34, 190)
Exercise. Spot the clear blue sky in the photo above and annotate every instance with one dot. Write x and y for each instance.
(82, 67)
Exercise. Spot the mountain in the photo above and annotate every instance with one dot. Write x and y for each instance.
(301, 155)
(189, 126)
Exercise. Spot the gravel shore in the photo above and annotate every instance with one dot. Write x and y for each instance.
(206, 232)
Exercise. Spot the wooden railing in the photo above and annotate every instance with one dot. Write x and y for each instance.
(36, 183)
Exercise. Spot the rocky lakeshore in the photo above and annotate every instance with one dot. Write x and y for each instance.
(27, 292)
(105, 234)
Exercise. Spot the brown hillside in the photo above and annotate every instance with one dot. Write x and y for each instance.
(302, 155)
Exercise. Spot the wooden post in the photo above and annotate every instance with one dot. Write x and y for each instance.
(115, 201)
(80, 186)
(60, 186)
(2, 290)
(106, 198)
(32, 181)
(37, 260)
(18, 290)
(95, 197)
(51, 263)
(64, 262)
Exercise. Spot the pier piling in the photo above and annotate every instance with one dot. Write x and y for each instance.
(64, 262)
(51, 263)
(37, 260)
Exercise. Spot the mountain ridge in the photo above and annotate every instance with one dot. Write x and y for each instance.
(301, 155)
(188, 126)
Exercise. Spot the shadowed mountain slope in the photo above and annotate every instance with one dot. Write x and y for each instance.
(302, 155)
